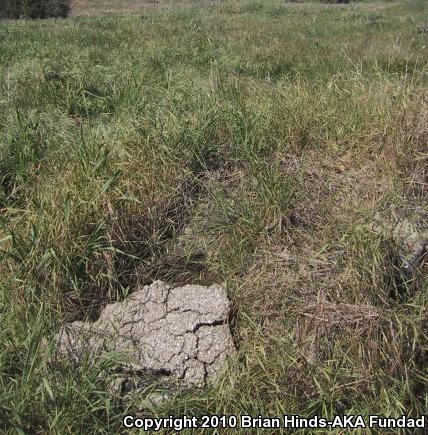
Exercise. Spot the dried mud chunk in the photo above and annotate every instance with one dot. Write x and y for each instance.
(181, 332)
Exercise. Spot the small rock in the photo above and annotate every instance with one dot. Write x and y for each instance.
(157, 399)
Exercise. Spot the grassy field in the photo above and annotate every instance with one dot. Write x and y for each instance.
(245, 143)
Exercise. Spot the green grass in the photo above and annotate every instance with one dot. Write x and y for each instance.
(243, 143)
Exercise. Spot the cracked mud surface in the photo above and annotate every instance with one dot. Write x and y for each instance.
(179, 331)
